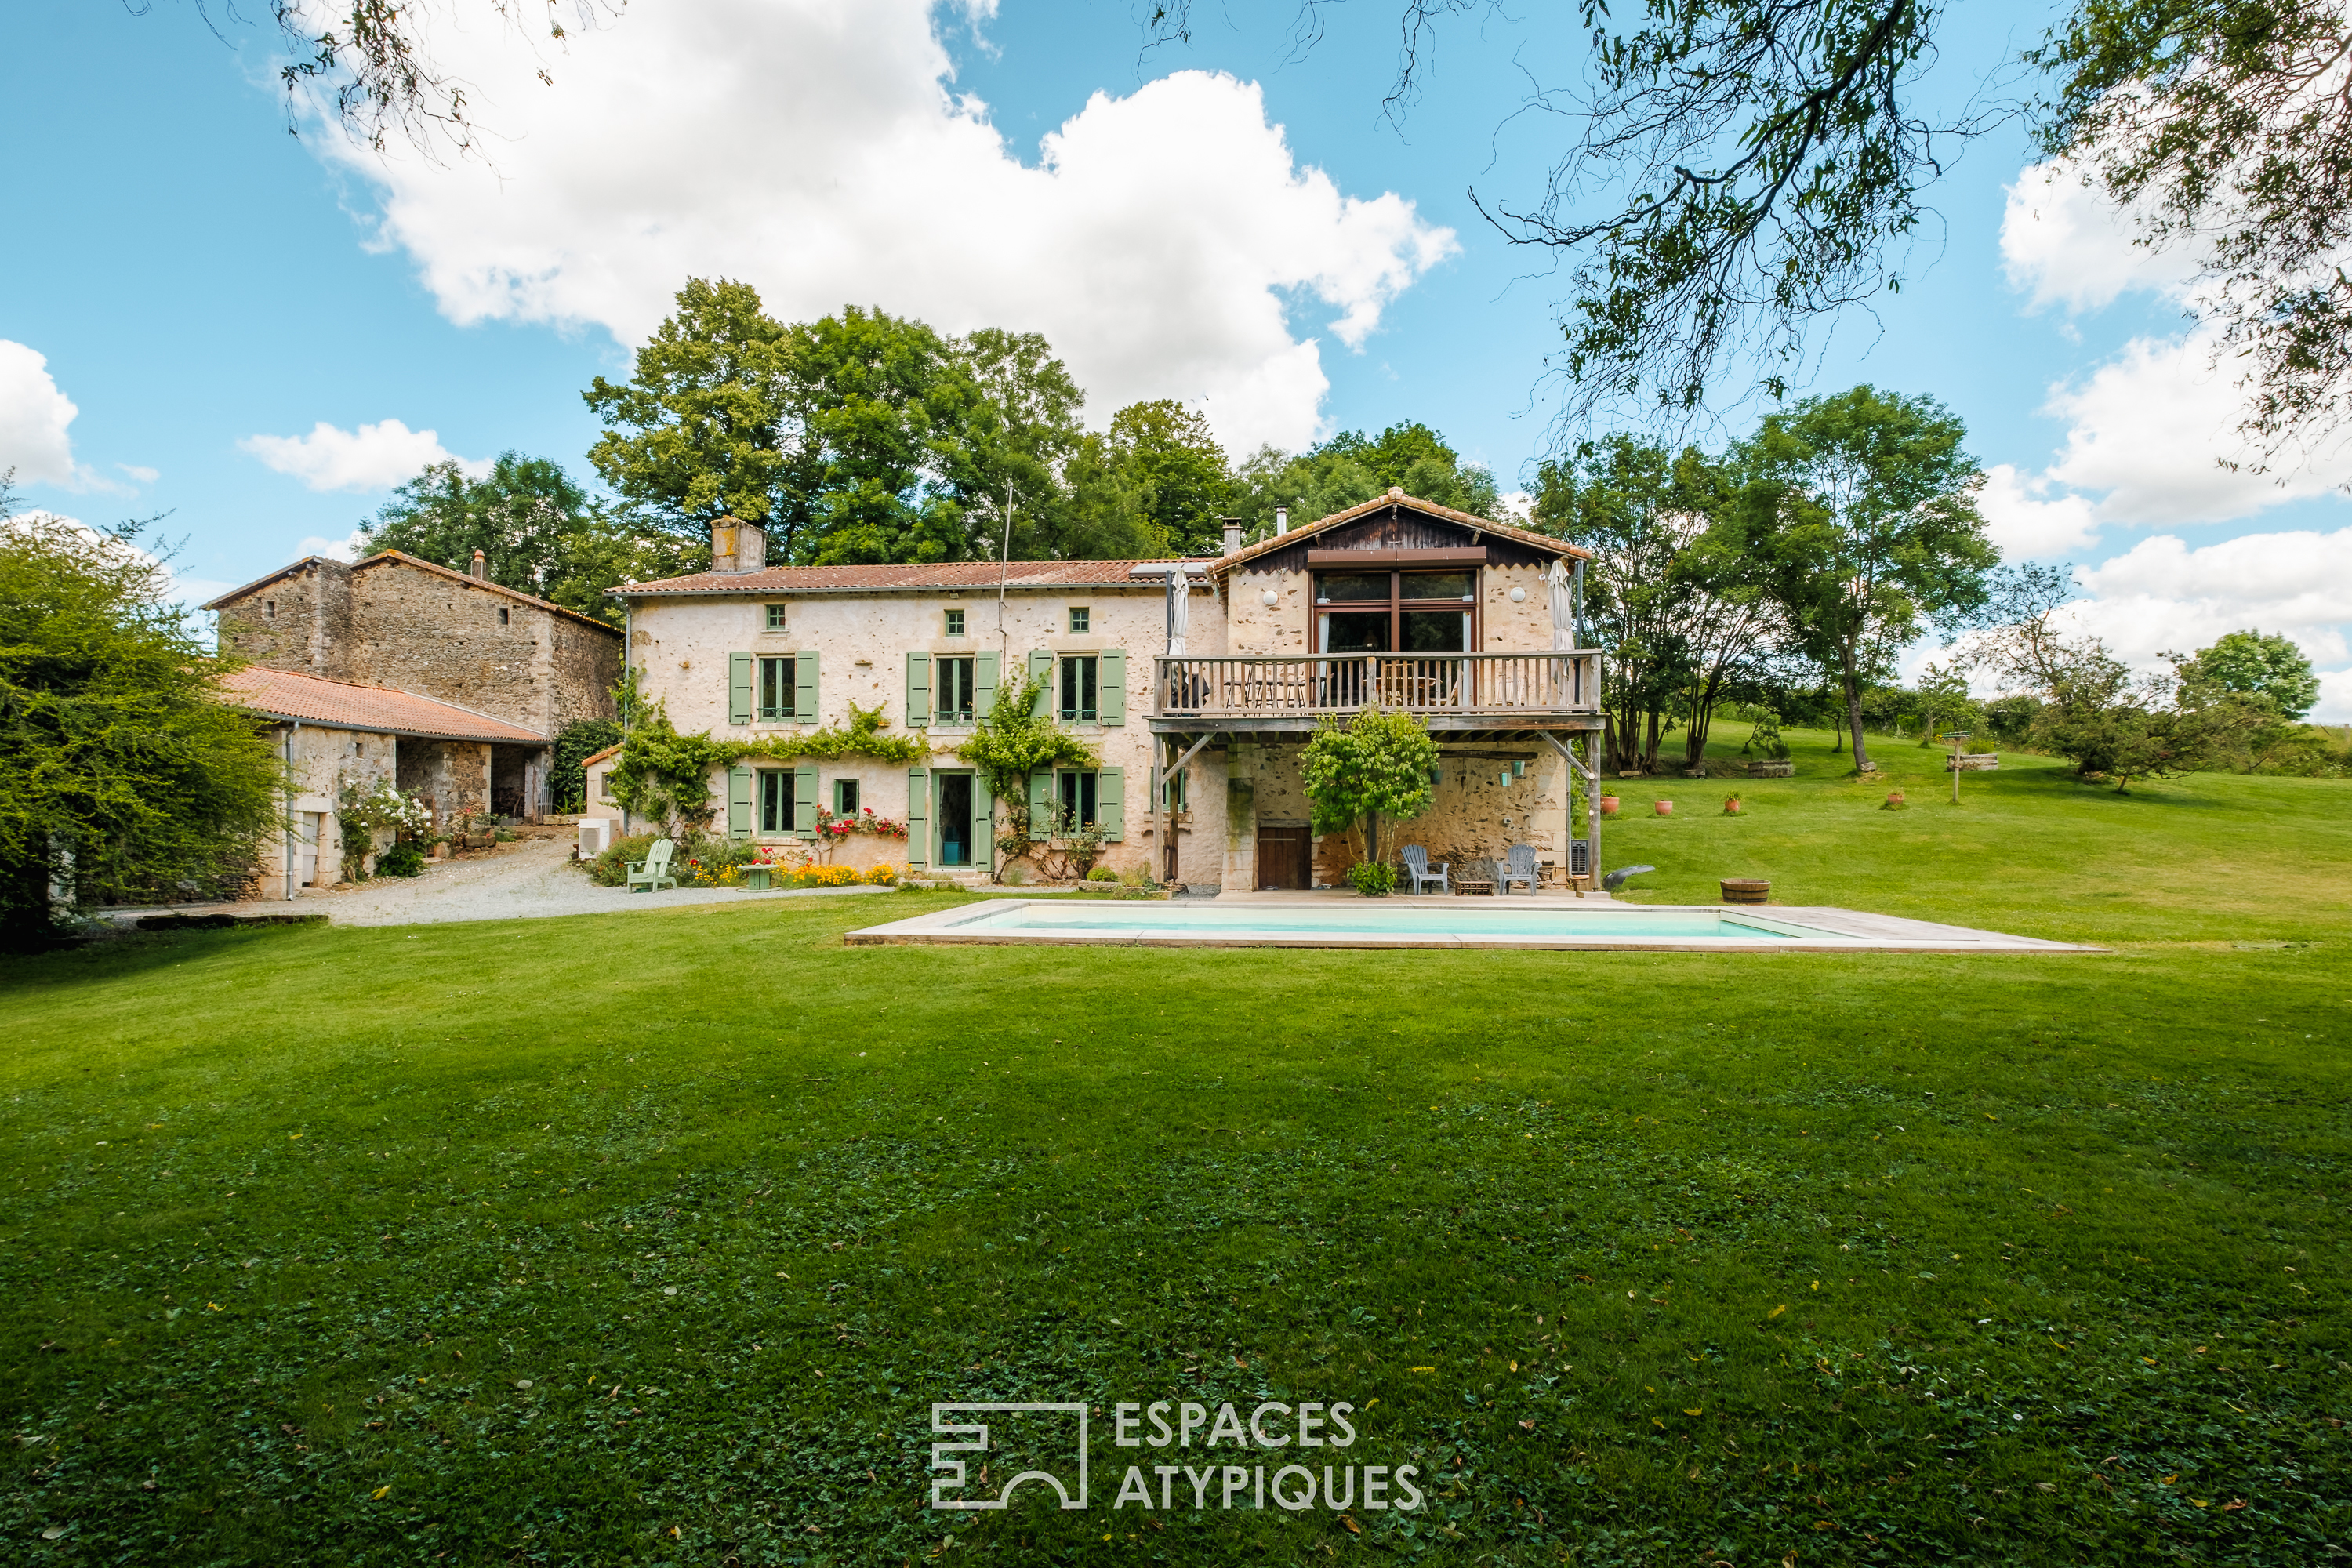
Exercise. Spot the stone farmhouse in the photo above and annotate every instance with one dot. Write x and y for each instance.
(451, 685)
(1196, 681)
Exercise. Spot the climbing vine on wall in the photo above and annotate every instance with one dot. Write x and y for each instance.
(1011, 743)
(666, 776)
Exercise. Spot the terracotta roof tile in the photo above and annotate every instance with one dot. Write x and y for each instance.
(344, 705)
(913, 578)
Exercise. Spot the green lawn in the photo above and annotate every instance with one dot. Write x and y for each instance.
(1636, 1258)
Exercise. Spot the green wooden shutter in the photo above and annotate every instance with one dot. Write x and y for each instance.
(739, 801)
(918, 691)
(983, 684)
(804, 788)
(919, 818)
(1111, 686)
(805, 690)
(984, 823)
(1041, 803)
(1110, 804)
(1041, 662)
(738, 689)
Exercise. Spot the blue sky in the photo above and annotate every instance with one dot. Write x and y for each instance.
(234, 315)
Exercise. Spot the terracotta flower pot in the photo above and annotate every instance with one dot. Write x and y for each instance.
(1732, 806)
(1664, 807)
(1608, 805)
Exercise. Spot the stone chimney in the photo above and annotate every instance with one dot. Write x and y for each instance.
(481, 573)
(737, 547)
(1281, 520)
(1233, 535)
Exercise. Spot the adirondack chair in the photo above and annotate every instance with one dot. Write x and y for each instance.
(1416, 865)
(652, 871)
(1521, 867)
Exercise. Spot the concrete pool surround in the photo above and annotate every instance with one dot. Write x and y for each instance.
(1264, 921)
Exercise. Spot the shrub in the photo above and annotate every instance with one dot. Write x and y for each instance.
(402, 860)
(611, 869)
(882, 876)
(1102, 874)
(1373, 878)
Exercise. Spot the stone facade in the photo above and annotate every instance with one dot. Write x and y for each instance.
(869, 637)
(322, 761)
(397, 622)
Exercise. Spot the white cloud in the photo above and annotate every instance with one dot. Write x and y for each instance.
(2067, 245)
(139, 473)
(2027, 522)
(2335, 705)
(813, 148)
(2163, 594)
(372, 457)
(33, 419)
(179, 588)
(344, 549)
(2150, 428)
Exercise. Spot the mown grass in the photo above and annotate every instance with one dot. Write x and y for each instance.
(1863, 1258)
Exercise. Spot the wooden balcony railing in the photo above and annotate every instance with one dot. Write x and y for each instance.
(1470, 684)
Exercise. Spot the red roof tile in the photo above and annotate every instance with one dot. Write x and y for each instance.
(343, 705)
(934, 575)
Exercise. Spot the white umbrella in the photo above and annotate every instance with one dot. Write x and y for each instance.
(1179, 608)
(1557, 579)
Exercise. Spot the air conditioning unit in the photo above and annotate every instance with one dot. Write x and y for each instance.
(596, 837)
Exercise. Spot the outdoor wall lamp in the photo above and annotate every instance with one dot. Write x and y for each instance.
(1269, 598)
(1518, 596)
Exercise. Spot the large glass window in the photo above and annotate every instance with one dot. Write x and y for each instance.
(1078, 678)
(1396, 612)
(775, 799)
(952, 680)
(776, 687)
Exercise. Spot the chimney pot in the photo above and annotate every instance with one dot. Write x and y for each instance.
(481, 574)
(1281, 520)
(737, 547)
(1233, 535)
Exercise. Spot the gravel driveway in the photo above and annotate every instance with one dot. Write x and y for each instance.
(531, 879)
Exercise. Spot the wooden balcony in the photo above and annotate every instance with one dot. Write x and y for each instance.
(1452, 691)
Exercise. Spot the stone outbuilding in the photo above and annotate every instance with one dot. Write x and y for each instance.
(395, 623)
(336, 734)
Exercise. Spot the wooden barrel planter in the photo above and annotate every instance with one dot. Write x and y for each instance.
(1745, 890)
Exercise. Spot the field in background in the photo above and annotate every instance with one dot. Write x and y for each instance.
(652, 1238)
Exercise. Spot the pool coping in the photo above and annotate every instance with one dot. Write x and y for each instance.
(1859, 930)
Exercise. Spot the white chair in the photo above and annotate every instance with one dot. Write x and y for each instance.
(1416, 865)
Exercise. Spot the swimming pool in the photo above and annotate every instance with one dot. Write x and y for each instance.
(1463, 922)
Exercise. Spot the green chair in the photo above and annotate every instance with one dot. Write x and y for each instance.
(652, 871)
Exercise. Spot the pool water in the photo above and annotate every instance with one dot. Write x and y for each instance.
(1454, 923)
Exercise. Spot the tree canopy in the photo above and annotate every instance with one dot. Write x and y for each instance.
(2261, 668)
(1859, 512)
(1743, 174)
(122, 772)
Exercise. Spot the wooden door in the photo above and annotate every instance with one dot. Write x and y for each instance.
(1282, 858)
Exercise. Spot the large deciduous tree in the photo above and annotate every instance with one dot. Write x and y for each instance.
(1671, 597)
(1860, 517)
(123, 773)
(1352, 468)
